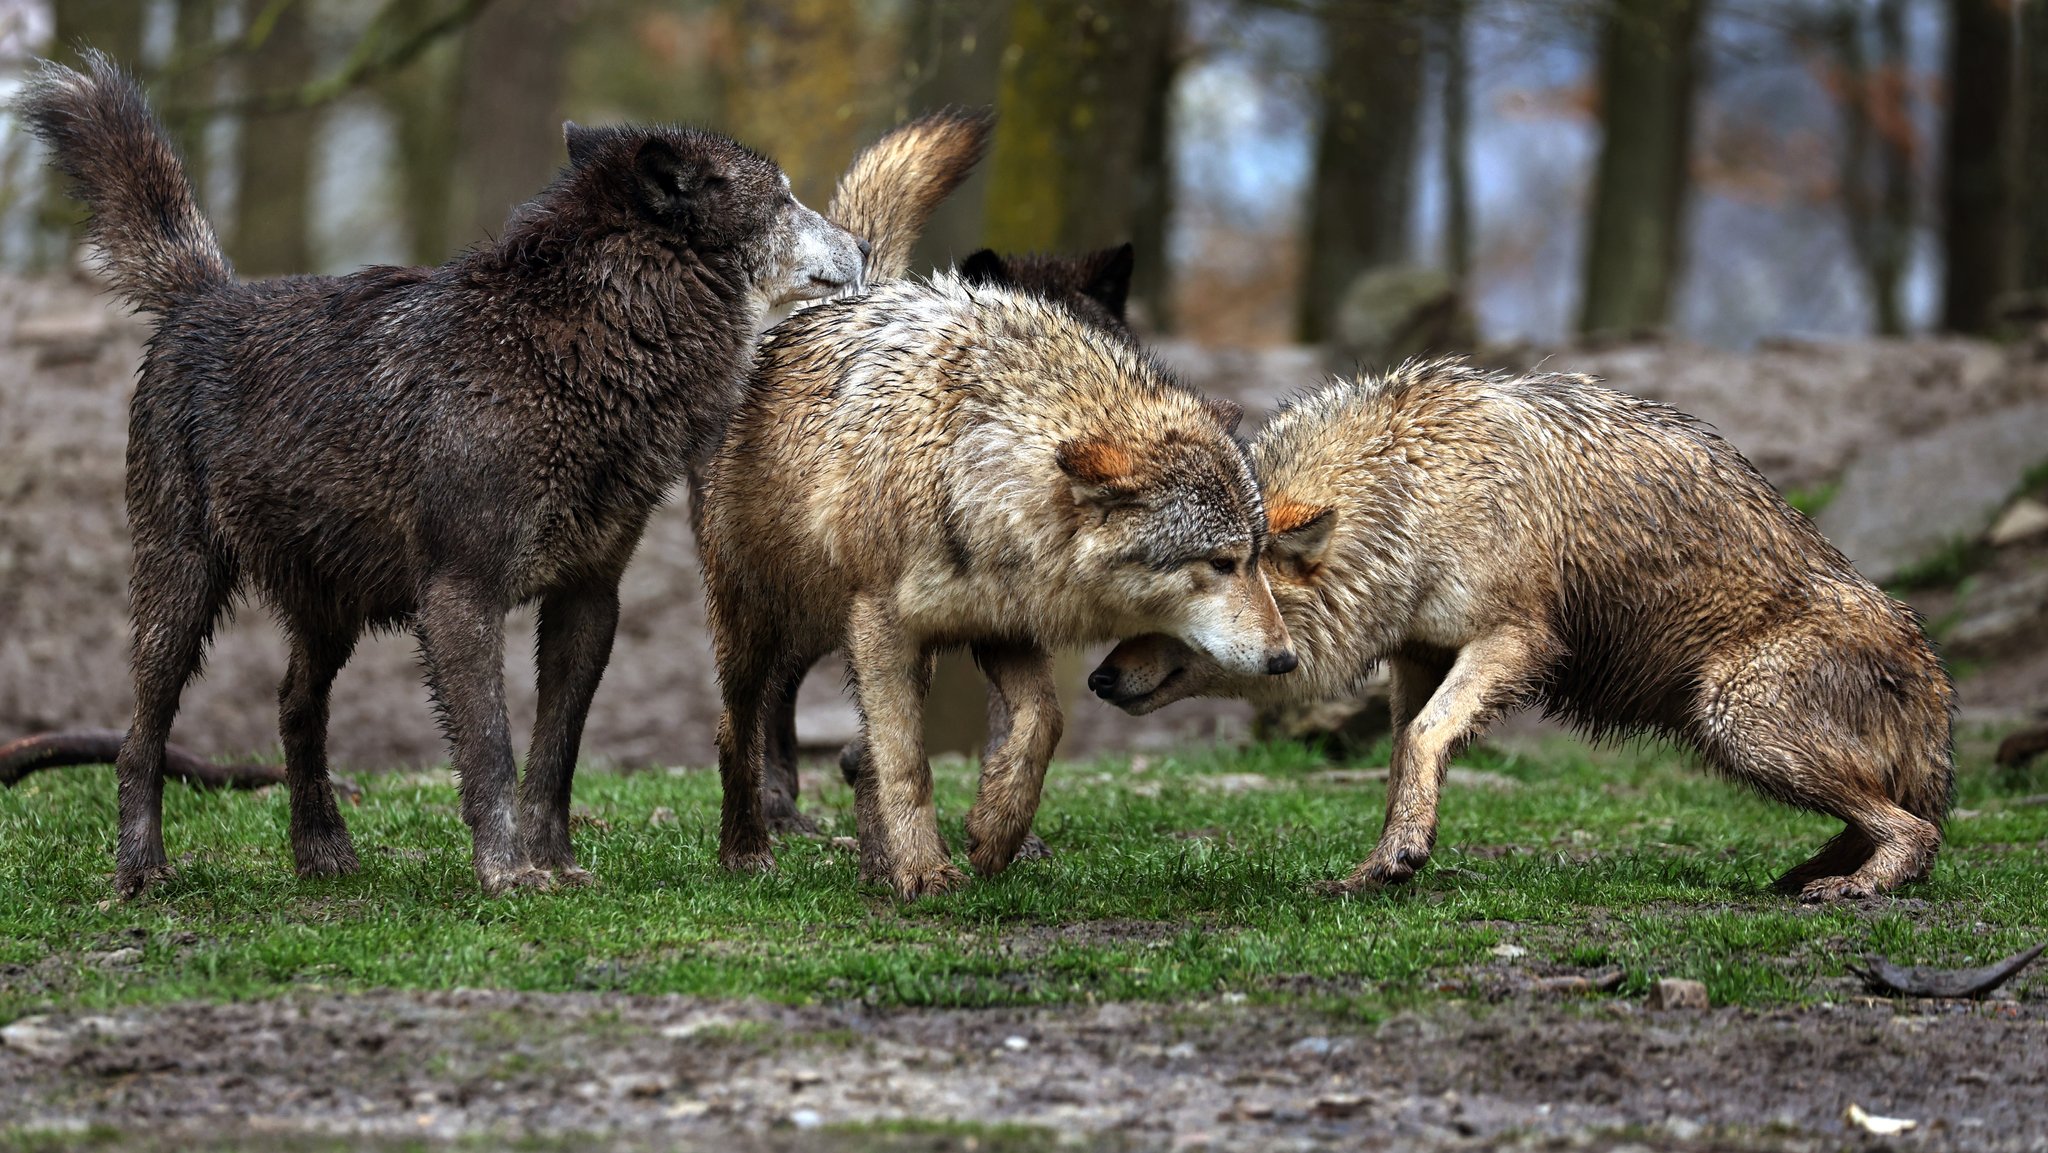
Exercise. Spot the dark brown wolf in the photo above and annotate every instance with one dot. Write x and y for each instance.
(945, 464)
(423, 448)
(1503, 541)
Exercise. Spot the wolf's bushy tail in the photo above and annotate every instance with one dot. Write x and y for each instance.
(149, 237)
(890, 190)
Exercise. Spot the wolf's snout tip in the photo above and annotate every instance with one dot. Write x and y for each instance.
(1282, 662)
(1101, 681)
(866, 249)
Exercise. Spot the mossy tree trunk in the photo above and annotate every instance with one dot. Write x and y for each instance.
(509, 123)
(1977, 220)
(274, 156)
(1078, 82)
(810, 83)
(952, 57)
(2033, 176)
(1360, 201)
(422, 101)
(113, 27)
(1635, 238)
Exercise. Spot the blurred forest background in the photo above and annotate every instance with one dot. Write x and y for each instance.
(1719, 169)
(1735, 206)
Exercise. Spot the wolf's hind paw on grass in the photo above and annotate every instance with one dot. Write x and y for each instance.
(912, 883)
(130, 884)
(497, 882)
(326, 857)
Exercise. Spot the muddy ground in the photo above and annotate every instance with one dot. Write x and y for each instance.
(611, 1071)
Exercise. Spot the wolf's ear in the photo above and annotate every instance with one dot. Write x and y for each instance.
(582, 142)
(1102, 470)
(1300, 532)
(666, 184)
(1109, 282)
(1226, 412)
(985, 267)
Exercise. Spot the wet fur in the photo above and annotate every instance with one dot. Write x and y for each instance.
(1509, 541)
(937, 464)
(421, 447)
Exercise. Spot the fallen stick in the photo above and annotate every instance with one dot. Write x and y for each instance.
(100, 746)
(1922, 981)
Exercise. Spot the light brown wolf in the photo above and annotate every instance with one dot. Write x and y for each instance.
(938, 463)
(1504, 541)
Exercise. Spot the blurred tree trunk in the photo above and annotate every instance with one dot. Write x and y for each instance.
(274, 160)
(1078, 81)
(1151, 282)
(810, 85)
(509, 124)
(1457, 133)
(421, 99)
(1976, 184)
(1877, 150)
(1637, 228)
(952, 56)
(113, 27)
(2033, 271)
(192, 87)
(1365, 152)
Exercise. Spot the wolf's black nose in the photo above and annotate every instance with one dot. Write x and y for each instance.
(866, 249)
(1101, 681)
(1284, 663)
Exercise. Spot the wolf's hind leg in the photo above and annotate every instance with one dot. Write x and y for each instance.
(1013, 768)
(899, 826)
(780, 784)
(178, 594)
(1489, 675)
(320, 840)
(573, 645)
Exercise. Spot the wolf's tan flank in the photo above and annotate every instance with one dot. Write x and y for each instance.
(1503, 541)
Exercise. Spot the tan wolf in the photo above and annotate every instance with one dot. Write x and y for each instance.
(1504, 541)
(939, 463)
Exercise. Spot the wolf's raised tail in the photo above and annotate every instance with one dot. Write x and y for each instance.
(149, 237)
(890, 190)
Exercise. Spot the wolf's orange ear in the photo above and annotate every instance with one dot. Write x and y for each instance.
(1226, 412)
(1300, 532)
(1101, 468)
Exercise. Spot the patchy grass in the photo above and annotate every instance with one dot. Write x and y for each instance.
(1182, 877)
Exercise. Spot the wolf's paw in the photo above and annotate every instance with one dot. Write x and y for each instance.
(747, 861)
(133, 882)
(1390, 864)
(499, 880)
(914, 883)
(785, 821)
(1031, 849)
(573, 877)
(329, 854)
(1827, 890)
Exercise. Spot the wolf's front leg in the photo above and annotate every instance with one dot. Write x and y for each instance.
(1013, 768)
(573, 645)
(461, 630)
(895, 792)
(1488, 675)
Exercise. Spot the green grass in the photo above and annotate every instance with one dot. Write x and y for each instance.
(1165, 887)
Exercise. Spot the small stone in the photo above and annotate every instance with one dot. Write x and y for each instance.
(805, 1118)
(1338, 1105)
(1677, 993)
(1016, 1044)
(800, 1078)
(1311, 1047)
(36, 1037)
(686, 1110)
(2024, 518)
(1509, 952)
(1180, 1052)
(122, 958)
(661, 817)
(846, 844)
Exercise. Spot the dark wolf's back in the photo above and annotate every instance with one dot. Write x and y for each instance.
(151, 240)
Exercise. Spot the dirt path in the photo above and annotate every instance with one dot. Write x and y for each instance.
(627, 1072)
